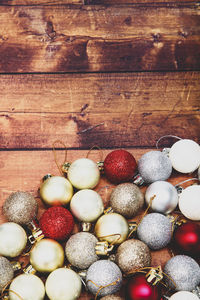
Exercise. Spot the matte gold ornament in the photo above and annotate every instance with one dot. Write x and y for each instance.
(47, 255)
(132, 255)
(83, 173)
(13, 239)
(112, 228)
(56, 190)
(63, 284)
(28, 287)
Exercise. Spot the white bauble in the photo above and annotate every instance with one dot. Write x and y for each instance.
(189, 202)
(183, 295)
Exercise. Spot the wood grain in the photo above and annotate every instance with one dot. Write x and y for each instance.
(98, 38)
(111, 110)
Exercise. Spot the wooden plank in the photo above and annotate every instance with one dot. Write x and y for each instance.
(111, 110)
(40, 2)
(143, 2)
(98, 38)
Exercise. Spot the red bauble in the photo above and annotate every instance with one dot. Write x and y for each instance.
(57, 223)
(187, 238)
(139, 289)
(119, 166)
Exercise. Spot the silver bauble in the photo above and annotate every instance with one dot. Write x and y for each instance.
(20, 207)
(184, 271)
(154, 166)
(103, 273)
(132, 255)
(112, 297)
(127, 199)
(6, 272)
(80, 250)
(155, 230)
(166, 196)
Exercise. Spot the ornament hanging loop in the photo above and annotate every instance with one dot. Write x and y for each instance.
(63, 168)
(166, 136)
(100, 162)
(178, 186)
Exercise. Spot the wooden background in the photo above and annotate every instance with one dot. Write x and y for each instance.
(117, 73)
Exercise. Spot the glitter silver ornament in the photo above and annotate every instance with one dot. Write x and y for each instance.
(127, 199)
(20, 207)
(103, 273)
(6, 272)
(155, 230)
(132, 255)
(166, 196)
(112, 297)
(80, 250)
(154, 166)
(184, 271)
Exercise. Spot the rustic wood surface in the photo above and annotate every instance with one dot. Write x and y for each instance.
(99, 38)
(116, 90)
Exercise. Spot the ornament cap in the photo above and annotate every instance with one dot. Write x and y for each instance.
(16, 265)
(46, 177)
(132, 227)
(86, 226)
(37, 233)
(154, 275)
(108, 210)
(65, 167)
(100, 165)
(138, 180)
(29, 270)
(103, 248)
(166, 151)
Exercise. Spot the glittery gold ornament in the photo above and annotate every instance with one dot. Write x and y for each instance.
(27, 286)
(56, 190)
(127, 199)
(83, 173)
(63, 284)
(47, 255)
(112, 228)
(6, 272)
(132, 255)
(20, 207)
(80, 250)
(13, 239)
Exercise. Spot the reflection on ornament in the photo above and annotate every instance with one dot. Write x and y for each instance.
(185, 156)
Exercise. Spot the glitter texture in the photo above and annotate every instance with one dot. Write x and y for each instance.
(102, 273)
(127, 199)
(154, 166)
(155, 230)
(6, 272)
(112, 297)
(185, 272)
(20, 207)
(80, 250)
(132, 254)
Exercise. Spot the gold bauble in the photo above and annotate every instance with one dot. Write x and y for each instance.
(112, 228)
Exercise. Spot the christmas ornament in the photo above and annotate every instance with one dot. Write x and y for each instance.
(112, 228)
(20, 207)
(6, 272)
(184, 271)
(185, 156)
(126, 199)
(27, 287)
(47, 255)
(103, 278)
(138, 288)
(83, 173)
(166, 196)
(56, 190)
(57, 223)
(186, 238)
(13, 239)
(153, 166)
(86, 205)
(189, 202)
(111, 297)
(119, 166)
(80, 250)
(63, 284)
(132, 255)
(155, 230)
(199, 173)
(183, 295)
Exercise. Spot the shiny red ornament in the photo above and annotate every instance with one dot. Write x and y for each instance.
(139, 289)
(186, 238)
(57, 223)
(119, 166)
